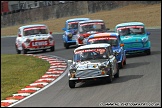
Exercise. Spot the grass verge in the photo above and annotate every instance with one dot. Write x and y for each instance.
(18, 71)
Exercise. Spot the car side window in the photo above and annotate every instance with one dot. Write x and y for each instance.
(19, 32)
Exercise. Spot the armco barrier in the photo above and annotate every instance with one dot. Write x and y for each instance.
(57, 67)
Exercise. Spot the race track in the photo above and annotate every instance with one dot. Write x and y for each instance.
(140, 80)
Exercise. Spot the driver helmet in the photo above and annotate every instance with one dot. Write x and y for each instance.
(85, 54)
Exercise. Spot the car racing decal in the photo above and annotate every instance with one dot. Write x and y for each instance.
(32, 28)
(129, 27)
(39, 43)
(89, 50)
(72, 22)
(103, 38)
(91, 23)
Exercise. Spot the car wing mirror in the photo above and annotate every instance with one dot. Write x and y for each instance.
(50, 32)
(64, 29)
(148, 33)
(70, 61)
(19, 35)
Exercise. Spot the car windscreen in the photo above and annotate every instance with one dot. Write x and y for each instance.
(113, 41)
(35, 30)
(72, 25)
(92, 26)
(90, 54)
(130, 30)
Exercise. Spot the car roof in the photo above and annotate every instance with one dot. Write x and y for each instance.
(104, 35)
(100, 45)
(77, 19)
(33, 25)
(91, 21)
(129, 24)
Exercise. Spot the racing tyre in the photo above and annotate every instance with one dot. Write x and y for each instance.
(109, 78)
(117, 74)
(24, 51)
(66, 45)
(125, 62)
(52, 48)
(71, 84)
(18, 51)
(148, 52)
(121, 65)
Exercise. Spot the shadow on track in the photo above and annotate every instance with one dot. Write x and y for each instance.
(101, 82)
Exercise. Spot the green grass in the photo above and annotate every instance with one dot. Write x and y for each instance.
(18, 71)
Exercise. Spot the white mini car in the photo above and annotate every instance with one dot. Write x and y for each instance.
(34, 37)
(91, 62)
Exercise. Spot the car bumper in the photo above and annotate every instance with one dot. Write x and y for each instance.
(88, 78)
(136, 50)
(72, 41)
(39, 48)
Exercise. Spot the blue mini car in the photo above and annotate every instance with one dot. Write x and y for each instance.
(134, 37)
(114, 40)
(70, 30)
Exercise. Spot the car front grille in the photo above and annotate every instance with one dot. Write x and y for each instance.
(88, 73)
(133, 45)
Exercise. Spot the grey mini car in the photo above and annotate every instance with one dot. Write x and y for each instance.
(91, 62)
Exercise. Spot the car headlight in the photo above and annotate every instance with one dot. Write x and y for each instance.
(27, 40)
(81, 37)
(72, 73)
(50, 38)
(103, 69)
(144, 39)
(102, 65)
(70, 35)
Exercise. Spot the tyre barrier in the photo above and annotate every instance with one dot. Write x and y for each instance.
(57, 67)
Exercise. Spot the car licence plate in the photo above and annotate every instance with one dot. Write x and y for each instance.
(40, 43)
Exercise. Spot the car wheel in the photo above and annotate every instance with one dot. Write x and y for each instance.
(125, 62)
(121, 65)
(24, 51)
(66, 45)
(52, 48)
(109, 78)
(71, 84)
(117, 74)
(18, 51)
(148, 52)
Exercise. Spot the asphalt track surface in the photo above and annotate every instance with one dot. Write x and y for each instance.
(139, 81)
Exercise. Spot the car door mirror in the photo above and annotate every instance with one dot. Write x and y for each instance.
(19, 35)
(70, 61)
(64, 29)
(148, 33)
(50, 32)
